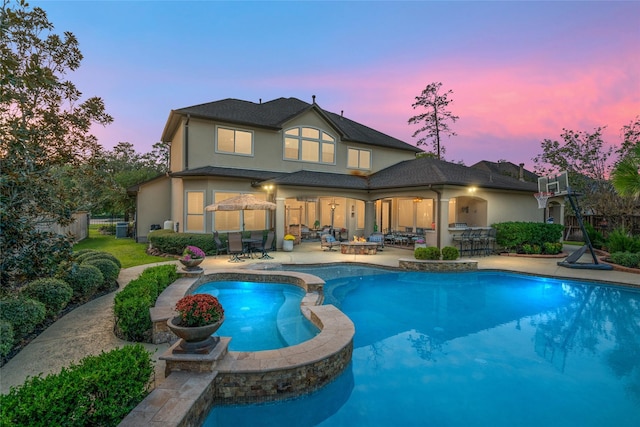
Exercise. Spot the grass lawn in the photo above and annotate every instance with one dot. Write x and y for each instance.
(126, 250)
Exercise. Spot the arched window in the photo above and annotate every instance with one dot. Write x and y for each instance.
(308, 144)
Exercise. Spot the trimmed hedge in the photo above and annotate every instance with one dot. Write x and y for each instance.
(6, 337)
(449, 253)
(99, 391)
(55, 294)
(170, 242)
(131, 305)
(514, 235)
(430, 253)
(109, 270)
(23, 314)
(102, 255)
(85, 280)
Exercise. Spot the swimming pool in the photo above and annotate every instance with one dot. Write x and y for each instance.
(260, 316)
(472, 349)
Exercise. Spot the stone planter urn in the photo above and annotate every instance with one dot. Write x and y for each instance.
(194, 339)
(287, 245)
(191, 264)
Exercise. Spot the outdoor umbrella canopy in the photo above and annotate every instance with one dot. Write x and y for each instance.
(240, 203)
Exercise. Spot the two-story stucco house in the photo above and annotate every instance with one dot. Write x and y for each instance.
(319, 168)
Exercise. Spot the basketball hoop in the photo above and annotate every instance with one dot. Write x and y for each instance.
(542, 198)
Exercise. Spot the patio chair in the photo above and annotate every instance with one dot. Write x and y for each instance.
(377, 238)
(267, 245)
(327, 241)
(235, 247)
(220, 247)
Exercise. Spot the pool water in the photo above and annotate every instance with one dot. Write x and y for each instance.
(260, 316)
(472, 349)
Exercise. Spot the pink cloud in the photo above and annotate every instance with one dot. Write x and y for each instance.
(522, 103)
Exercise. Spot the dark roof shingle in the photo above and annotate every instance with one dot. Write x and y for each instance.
(274, 114)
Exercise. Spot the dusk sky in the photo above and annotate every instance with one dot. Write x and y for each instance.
(520, 72)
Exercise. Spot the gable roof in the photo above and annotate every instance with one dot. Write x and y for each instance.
(275, 114)
(507, 169)
(426, 170)
(409, 173)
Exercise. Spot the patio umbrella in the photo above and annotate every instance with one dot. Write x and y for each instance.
(241, 203)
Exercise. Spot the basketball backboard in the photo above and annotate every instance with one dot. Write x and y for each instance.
(556, 184)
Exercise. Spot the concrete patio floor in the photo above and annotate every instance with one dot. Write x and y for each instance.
(88, 330)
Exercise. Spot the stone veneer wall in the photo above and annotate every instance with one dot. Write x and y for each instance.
(245, 377)
(428, 265)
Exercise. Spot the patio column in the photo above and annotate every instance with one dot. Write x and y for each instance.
(442, 224)
(369, 217)
(280, 213)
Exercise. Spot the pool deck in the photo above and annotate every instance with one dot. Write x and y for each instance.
(88, 330)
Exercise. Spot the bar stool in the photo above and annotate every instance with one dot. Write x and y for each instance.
(464, 240)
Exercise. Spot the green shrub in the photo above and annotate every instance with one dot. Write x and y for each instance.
(552, 248)
(108, 268)
(449, 253)
(55, 294)
(513, 235)
(107, 229)
(621, 241)
(131, 305)
(531, 249)
(626, 259)
(6, 337)
(23, 313)
(430, 253)
(171, 242)
(596, 238)
(133, 319)
(84, 279)
(83, 251)
(102, 255)
(99, 391)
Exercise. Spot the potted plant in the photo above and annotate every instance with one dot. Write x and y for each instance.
(191, 258)
(198, 317)
(287, 242)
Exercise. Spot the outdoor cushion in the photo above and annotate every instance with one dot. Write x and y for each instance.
(330, 239)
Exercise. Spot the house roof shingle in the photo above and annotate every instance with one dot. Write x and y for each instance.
(410, 173)
(274, 114)
(507, 169)
(426, 170)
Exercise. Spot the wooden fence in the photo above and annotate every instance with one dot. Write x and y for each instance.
(79, 228)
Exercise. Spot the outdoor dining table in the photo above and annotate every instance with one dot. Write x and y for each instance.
(247, 243)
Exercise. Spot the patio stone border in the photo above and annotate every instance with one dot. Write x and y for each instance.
(431, 265)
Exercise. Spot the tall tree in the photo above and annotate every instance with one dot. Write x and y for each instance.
(434, 122)
(626, 173)
(588, 163)
(44, 134)
(123, 167)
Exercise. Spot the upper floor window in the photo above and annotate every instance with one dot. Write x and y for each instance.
(234, 141)
(309, 145)
(359, 159)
